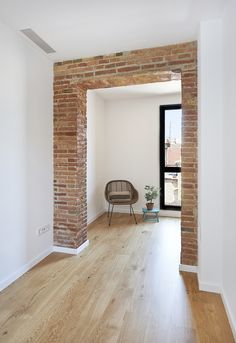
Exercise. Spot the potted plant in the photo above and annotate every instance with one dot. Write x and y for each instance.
(152, 193)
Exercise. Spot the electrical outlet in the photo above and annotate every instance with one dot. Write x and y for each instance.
(43, 229)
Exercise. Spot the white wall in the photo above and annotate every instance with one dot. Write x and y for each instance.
(229, 163)
(217, 164)
(132, 141)
(95, 155)
(26, 200)
(123, 143)
(210, 155)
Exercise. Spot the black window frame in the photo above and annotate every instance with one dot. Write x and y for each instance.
(163, 168)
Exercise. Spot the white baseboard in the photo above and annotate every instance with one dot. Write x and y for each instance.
(214, 288)
(209, 287)
(230, 316)
(72, 251)
(124, 209)
(25, 268)
(188, 268)
(171, 214)
(96, 216)
(162, 213)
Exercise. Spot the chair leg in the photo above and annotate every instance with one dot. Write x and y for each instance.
(108, 211)
(133, 214)
(130, 210)
(111, 214)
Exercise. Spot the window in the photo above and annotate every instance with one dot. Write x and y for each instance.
(170, 156)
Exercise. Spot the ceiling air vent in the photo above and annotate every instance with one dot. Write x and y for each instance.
(38, 41)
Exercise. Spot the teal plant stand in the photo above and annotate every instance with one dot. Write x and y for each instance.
(150, 215)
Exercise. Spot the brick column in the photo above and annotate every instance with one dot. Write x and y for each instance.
(189, 169)
(70, 227)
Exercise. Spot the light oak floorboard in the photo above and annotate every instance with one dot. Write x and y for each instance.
(124, 288)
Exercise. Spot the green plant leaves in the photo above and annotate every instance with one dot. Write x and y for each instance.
(152, 192)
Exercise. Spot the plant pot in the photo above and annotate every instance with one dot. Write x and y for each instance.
(150, 206)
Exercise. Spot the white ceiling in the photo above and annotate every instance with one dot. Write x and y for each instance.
(140, 91)
(82, 28)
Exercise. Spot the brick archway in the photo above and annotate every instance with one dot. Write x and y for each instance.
(71, 82)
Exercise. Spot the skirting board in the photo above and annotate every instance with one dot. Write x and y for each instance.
(99, 214)
(25, 268)
(170, 214)
(208, 287)
(162, 213)
(71, 251)
(123, 209)
(188, 268)
(229, 314)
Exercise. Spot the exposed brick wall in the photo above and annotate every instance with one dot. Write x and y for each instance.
(71, 81)
(70, 146)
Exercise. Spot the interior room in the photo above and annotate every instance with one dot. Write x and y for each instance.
(123, 125)
(85, 94)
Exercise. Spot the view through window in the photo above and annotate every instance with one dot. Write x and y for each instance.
(170, 156)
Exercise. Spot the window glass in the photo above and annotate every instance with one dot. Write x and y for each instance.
(173, 138)
(173, 189)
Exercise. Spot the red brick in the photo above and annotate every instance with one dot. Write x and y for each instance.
(71, 80)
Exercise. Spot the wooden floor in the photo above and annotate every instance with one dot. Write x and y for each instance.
(125, 287)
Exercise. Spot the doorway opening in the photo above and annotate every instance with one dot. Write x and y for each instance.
(71, 81)
(123, 129)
